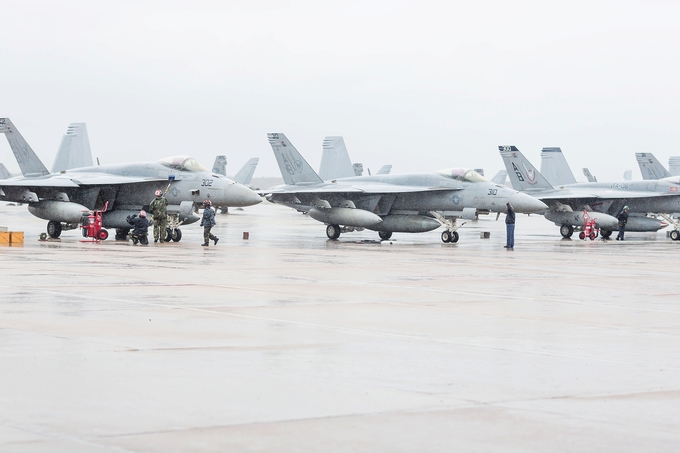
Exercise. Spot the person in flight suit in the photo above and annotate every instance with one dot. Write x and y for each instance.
(159, 210)
(207, 222)
(623, 220)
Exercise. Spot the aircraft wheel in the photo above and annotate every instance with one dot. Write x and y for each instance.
(675, 235)
(566, 231)
(176, 235)
(103, 235)
(333, 231)
(168, 235)
(121, 234)
(592, 236)
(385, 235)
(54, 229)
(605, 234)
(447, 236)
(581, 235)
(454, 236)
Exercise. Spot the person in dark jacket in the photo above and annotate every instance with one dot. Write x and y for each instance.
(141, 227)
(510, 227)
(207, 222)
(623, 220)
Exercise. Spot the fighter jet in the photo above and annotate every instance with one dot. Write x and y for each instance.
(389, 203)
(62, 198)
(603, 201)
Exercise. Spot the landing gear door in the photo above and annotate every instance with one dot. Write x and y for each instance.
(186, 208)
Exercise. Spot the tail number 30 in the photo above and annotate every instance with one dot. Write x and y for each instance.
(207, 182)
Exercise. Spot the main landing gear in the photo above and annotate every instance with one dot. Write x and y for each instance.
(333, 231)
(54, 229)
(566, 231)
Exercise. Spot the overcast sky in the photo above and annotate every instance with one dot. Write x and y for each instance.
(419, 84)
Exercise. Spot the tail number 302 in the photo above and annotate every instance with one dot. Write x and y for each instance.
(207, 182)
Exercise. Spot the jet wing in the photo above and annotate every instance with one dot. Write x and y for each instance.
(604, 195)
(366, 188)
(75, 180)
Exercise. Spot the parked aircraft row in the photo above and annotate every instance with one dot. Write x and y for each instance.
(336, 196)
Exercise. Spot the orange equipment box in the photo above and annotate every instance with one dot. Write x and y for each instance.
(5, 238)
(17, 237)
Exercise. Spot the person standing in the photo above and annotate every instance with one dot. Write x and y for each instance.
(159, 210)
(207, 222)
(510, 226)
(623, 220)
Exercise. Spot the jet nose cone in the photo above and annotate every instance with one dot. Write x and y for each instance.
(524, 203)
(240, 196)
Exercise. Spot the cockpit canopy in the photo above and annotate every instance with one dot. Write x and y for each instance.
(183, 163)
(462, 174)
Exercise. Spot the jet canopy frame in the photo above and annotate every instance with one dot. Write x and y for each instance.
(182, 163)
(462, 174)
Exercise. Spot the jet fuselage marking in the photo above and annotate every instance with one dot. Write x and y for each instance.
(517, 172)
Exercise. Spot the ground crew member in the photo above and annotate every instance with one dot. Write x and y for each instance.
(623, 220)
(510, 227)
(159, 209)
(141, 227)
(207, 222)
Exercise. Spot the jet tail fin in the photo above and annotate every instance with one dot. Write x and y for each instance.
(28, 161)
(294, 168)
(385, 170)
(220, 165)
(650, 167)
(523, 175)
(4, 173)
(74, 150)
(335, 162)
(589, 175)
(674, 165)
(554, 167)
(245, 174)
(500, 177)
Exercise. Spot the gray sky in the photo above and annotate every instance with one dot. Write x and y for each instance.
(422, 85)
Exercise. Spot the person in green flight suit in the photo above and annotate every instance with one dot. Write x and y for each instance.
(159, 209)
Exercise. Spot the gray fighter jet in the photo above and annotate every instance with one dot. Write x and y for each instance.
(603, 201)
(389, 203)
(62, 198)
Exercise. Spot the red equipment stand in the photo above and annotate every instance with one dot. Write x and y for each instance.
(92, 226)
(590, 228)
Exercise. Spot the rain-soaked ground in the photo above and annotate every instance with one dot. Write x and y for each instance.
(288, 342)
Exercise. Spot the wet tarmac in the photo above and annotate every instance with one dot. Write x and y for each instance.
(289, 342)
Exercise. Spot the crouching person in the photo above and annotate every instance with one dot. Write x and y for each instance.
(141, 228)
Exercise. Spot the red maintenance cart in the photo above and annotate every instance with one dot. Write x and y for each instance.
(590, 228)
(91, 226)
